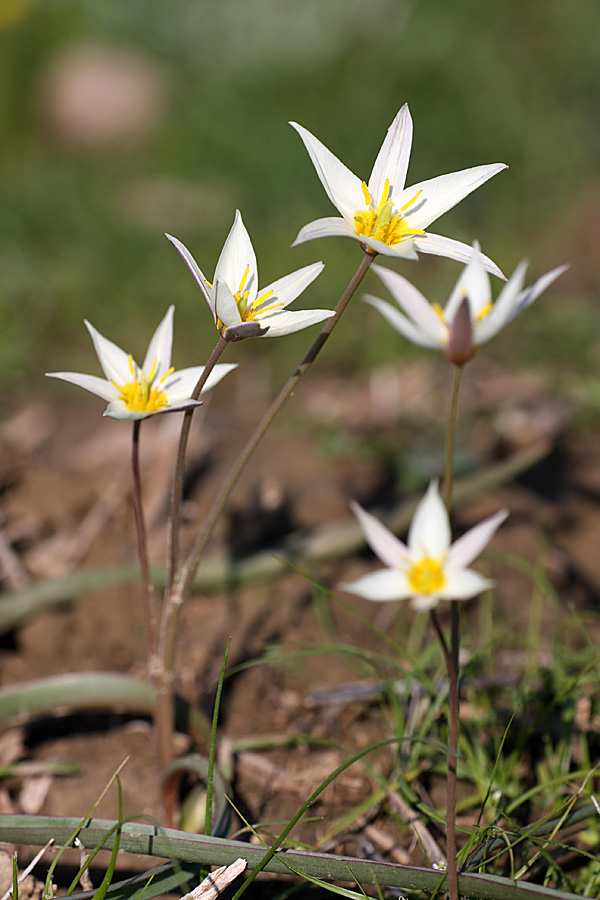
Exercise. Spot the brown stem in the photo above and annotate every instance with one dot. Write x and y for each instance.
(174, 519)
(183, 585)
(148, 595)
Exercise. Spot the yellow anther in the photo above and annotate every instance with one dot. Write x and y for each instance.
(244, 277)
(485, 311)
(439, 311)
(366, 193)
(410, 202)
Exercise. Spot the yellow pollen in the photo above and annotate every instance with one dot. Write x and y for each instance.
(427, 576)
(381, 222)
(439, 312)
(140, 395)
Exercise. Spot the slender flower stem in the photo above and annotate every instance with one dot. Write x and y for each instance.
(451, 655)
(183, 584)
(162, 676)
(450, 438)
(148, 595)
(178, 474)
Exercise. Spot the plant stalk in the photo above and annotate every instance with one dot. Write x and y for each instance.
(184, 582)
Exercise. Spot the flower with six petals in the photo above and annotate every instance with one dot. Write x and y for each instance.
(239, 309)
(135, 392)
(469, 319)
(384, 215)
(429, 568)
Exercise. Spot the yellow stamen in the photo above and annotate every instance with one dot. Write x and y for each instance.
(140, 395)
(484, 311)
(439, 311)
(427, 576)
(381, 222)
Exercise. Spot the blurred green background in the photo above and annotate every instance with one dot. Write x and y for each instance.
(123, 120)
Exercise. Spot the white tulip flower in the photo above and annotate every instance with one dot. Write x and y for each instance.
(470, 317)
(429, 568)
(238, 307)
(135, 392)
(384, 215)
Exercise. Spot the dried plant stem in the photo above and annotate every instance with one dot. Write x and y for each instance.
(184, 582)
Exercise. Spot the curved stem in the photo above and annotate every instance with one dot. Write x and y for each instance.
(184, 582)
(174, 520)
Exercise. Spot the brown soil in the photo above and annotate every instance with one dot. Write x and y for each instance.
(66, 506)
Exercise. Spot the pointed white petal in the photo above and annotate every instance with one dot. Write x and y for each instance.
(180, 385)
(114, 361)
(289, 321)
(469, 546)
(380, 539)
(461, 584)
(474, 284)
(392, 159)
(402, 250)
(527, 297)
(236, 257)
(193, 267)
(440, 194)
(226, 308)
(438, 245)
(91, 383)
(384, 585)
(429, 533)
(505, 308)
(401, 324)
(414, 305)
(331, 226)
(291, 286)
(342, 187)
(160, 346)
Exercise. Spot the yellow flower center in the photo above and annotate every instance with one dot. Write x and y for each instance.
(250, 311)
(140, 395)
(426, 576)
(381, 222)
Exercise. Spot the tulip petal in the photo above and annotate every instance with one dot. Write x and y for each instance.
(180, 385)
(113, 360)
(193, 267)
(461, 584)
(331, 226)
(380, 539)
(237, 262)
(342, 187)
(160, 347)
(474, 284)
(289, 321)
(469, 546)
(402, 250)
(401, 324)
(414, 305)
(286, 289)
(392, 159)
(429, 535)
(226, 308)
(384, 585)
(92, 383)
(438, 195)
(527, 297)
(505, 308)
(438, 245)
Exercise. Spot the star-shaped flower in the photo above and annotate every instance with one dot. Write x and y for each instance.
(239, 309)
(384, 215)
(470, 317)
(430, 568)
(135, 392)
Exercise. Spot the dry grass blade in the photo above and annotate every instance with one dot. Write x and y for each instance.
(217, 881)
